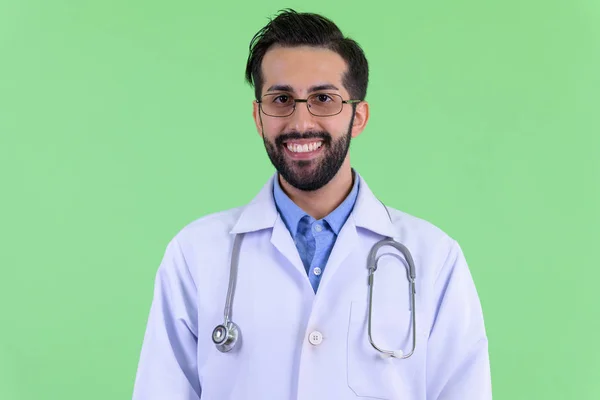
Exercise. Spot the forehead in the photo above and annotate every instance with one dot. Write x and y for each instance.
(302, 67)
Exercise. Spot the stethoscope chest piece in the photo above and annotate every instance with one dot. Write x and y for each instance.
(225, 336)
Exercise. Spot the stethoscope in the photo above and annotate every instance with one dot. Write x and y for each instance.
(226, 335)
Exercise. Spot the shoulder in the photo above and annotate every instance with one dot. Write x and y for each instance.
(211, 228)
(432, 244)
(409, 225)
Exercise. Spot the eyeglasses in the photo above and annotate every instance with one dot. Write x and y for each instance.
(318, 104)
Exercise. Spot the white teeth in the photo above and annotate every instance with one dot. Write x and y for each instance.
(303, 148)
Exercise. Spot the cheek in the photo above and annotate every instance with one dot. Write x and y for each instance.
(337, 128)
(338, 125)
(273, 127)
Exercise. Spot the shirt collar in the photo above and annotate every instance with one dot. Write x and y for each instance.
(261, 212)
(292, 214)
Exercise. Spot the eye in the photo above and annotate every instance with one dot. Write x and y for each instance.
(282, 99)
(323, 98)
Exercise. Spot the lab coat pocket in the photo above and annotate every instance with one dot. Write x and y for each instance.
(369, 374)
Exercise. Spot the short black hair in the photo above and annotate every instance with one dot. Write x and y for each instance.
(290, 29)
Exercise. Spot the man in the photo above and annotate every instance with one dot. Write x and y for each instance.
(292, 264)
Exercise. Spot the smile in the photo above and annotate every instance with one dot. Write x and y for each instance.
(303, 147)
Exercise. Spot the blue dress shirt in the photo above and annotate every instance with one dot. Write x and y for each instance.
(314, 238)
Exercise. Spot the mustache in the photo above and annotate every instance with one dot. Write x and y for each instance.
(295, 135)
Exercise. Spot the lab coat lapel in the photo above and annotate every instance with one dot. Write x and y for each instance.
(284, 243)
(368, 213)
(261, 213)
(346, 242)
(371, 214)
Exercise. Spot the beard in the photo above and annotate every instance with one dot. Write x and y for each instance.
(309, 175)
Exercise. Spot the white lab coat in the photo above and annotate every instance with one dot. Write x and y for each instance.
(277, 310)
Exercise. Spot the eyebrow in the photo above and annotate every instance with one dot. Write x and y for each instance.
(315, 88)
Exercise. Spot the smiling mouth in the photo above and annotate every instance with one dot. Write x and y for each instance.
(296, 147)
(303, 149)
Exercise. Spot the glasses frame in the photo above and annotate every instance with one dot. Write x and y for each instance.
(296, 101)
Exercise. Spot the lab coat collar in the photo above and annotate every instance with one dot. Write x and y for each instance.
(368, 212)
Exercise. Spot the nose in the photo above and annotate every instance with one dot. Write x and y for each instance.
(302, 120)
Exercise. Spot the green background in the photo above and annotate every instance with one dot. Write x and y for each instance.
(122, 121)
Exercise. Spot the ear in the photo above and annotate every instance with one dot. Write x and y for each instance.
(257, 117)
(361, 117)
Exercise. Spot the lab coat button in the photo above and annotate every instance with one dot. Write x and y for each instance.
(315, 338)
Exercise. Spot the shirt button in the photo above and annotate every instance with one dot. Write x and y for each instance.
(318, 228)
(315, 338)
(317, 271)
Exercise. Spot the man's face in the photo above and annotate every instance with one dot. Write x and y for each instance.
(307, 150)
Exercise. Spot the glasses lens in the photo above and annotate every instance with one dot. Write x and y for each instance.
(324, 104)
(277, 105)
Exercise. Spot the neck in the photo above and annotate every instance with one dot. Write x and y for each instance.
(320, 203)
